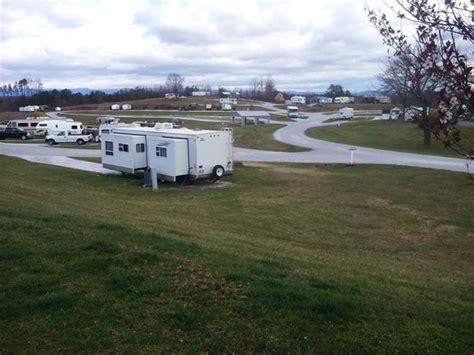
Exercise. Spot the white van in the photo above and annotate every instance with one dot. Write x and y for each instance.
(55, 126)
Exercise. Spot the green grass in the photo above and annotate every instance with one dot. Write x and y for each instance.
(289, 258)
(392, 135)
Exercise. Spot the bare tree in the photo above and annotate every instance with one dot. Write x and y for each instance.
(174, 83)
(439, 29)
(270, 89)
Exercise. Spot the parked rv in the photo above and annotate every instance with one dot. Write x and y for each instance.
(107, 120)
(56, 126)
(126, 107)
(115, 107)
(292, 111)
(12, 132)
(346, 113)
(169, 153)
(30, 124)
(67, 137)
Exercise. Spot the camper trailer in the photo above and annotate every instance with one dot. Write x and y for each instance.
(298, 100)
(55, 126)
(126, 107)
(115, 107)
(30, 124)
(292, 111)
(346, 113)
(107, 120)
(168, 152)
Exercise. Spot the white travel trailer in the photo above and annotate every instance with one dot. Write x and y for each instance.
(126, 107)
(115, 107)
(200, 93)
(298, 100)
(346, 113)
(30, 124)
(169, 153)
(170, 96)
(56, 126)
(107, 120)
(30, 108)
(228, 100)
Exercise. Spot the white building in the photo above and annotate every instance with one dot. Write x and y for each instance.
(167, 152)
(298, 100)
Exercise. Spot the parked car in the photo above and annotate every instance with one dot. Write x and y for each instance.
(13, 132)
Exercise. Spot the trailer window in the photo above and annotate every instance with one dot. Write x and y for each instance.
(123, 147)
(21, 124)
(140, 147)
(161, 151)
(43, 125)
(105, 131)
(109, 148)
(34, 124)
(74, 127)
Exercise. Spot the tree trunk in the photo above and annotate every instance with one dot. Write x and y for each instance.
(426, 126)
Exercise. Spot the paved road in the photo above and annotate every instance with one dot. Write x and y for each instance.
(292, 133)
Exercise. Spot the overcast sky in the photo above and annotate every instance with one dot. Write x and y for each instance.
(302, 45)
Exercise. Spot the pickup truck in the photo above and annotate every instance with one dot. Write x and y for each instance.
(13, 132)
(65, 137)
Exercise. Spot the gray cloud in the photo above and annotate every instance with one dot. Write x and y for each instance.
(301, 44)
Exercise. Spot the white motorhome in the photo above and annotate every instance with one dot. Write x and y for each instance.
(168, 152)
(346, 113)
(55, 126)
(292, 111)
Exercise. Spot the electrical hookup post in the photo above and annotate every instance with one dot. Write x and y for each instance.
(351, 150)
(469, 159)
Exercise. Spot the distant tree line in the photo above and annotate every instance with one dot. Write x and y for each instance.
(22, 93)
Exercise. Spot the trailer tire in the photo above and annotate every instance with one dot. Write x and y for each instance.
(218, 171)
(23, 138)
(51, 142)
(80, 141)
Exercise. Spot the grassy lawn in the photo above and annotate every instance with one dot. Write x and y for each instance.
(392, 135)
(289, 258)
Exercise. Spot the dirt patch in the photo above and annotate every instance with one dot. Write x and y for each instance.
(286, 169)
(206, 184)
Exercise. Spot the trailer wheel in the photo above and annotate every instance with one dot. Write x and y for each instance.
(23, 138)
(80, 141)
(218, 171)
(51, 142)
